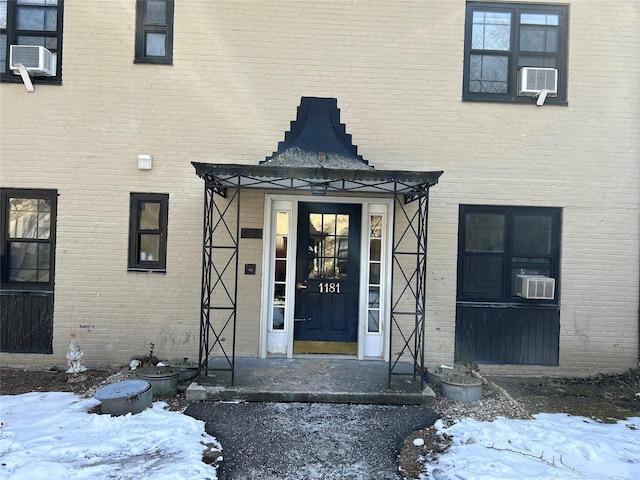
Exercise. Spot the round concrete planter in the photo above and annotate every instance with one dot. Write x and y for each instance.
(461, 388)
(436, 374)
(163, 380)
(188, 369)
(128, 396)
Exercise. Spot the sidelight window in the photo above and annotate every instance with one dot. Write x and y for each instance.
(281, 259)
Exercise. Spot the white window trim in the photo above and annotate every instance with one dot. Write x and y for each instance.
(289, 203)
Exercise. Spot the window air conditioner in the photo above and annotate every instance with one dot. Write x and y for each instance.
(37, 60)
(532, 80)
(536, 287)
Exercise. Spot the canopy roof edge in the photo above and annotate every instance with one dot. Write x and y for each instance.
(222, 175)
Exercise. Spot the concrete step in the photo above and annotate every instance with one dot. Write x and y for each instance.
(317, 379)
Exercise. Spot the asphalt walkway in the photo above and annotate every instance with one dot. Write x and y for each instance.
(295, 441)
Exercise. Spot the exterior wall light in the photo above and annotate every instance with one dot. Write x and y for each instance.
(319, 189)
(145, 162)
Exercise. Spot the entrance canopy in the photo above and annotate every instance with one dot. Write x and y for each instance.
(317, 157)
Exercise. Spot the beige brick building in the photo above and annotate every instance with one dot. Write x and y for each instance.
(547, 190)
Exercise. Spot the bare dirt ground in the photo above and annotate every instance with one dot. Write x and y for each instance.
(85, 384)
(605, 398)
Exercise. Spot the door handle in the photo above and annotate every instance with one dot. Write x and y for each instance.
(301, 286)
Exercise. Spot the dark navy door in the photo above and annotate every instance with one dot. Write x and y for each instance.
(327, 276)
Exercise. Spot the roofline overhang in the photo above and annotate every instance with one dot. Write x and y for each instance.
(220, 176)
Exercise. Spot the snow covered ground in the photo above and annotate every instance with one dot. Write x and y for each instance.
(551, 446)
(50, 435)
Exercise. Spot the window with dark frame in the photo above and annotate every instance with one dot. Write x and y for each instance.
(497, 243)
(28, 239)
(148, 232)
(31, 22)
(154, 31)
(503, 38)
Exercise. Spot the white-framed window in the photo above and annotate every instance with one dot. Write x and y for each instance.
(281, 236)
(374, 272)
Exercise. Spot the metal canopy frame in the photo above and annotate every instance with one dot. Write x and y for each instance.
(220, 257)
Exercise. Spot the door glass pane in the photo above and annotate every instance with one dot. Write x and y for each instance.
(279, 294)
(491, 31)
(149, 216)
(281, 271)
(329, 224)
(155, 44)
(278, 318)
(149, 247)
(342, 224)
(374, 273)
(328, 246)
(282, 223)
(484, 233)
(376, 249)
(281, 247)
(376, 226)
(373, 322)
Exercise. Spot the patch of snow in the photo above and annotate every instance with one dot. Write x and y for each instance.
(51, 435)
(551, 446)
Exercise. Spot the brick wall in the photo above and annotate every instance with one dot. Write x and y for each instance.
(239, 70)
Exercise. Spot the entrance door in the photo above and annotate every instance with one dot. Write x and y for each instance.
(327, 278)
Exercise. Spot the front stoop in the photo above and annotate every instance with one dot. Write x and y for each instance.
(317, 379)
(197, 392)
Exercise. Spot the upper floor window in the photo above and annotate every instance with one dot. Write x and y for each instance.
(28, 228)
(513, 51)
(496, 244)
(154, 31)
(148, 231)
(36, 23)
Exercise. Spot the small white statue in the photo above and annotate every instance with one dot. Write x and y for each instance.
(75, 358)
(133, 364)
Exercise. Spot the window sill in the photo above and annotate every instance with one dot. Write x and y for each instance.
(4, 78)
(516, 100)
(146, 270)
(153, 61)
(541, 304)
